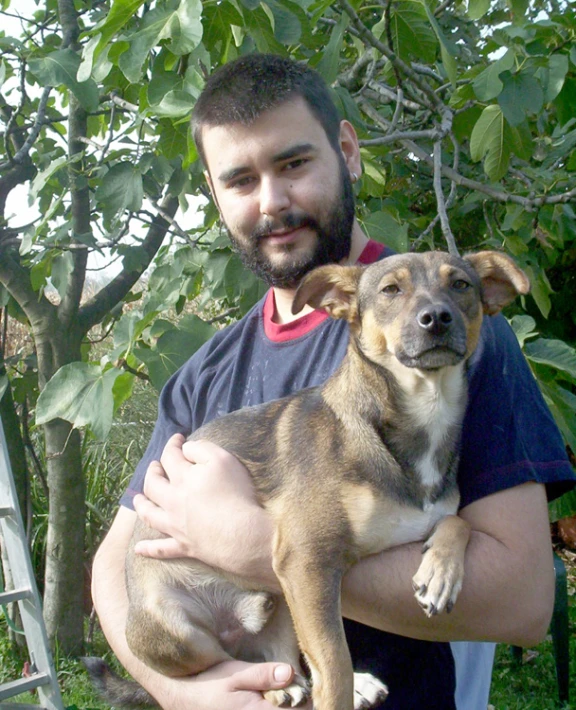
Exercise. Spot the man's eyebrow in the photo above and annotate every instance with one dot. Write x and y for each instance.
(291, 152)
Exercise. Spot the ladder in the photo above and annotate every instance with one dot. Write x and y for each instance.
(25, 592)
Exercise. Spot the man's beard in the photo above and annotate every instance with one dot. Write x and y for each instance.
(333, 243)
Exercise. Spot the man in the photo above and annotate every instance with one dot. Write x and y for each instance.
(280, 165)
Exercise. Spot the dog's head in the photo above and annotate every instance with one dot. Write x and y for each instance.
(425, 309)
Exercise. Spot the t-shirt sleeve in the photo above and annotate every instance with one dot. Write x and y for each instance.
(174, 417)
(509, 435)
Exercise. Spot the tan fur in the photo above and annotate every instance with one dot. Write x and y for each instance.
(366, 462)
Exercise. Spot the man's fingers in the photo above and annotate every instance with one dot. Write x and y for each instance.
(151, 514)
(165, 549)
(172, 456)
(262, 676)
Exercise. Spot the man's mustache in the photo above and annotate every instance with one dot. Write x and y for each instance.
(286, 222)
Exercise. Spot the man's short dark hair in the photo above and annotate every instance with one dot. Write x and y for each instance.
(244, 89)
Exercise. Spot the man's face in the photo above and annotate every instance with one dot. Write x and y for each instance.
(284, 194)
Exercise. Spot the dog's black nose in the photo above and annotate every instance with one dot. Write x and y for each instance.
(434, 318)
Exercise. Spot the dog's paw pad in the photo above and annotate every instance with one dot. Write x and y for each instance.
(368, 691)
(293, 696)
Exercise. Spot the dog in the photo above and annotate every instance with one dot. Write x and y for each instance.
(363, 463)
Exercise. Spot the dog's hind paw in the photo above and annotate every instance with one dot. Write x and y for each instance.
(368, 691)
(293, 696)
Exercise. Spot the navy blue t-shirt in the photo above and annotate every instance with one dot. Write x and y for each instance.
(509, 437)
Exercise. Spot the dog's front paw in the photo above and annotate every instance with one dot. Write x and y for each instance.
(368, 691)
(294, 695)
(438, 581)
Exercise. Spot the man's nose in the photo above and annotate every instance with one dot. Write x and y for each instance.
(274, 196)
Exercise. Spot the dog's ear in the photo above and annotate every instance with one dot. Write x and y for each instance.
(332, 288)
(501, 279)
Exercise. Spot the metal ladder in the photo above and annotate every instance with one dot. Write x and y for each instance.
(25, 592)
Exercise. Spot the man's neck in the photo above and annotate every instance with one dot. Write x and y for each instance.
(283, 297)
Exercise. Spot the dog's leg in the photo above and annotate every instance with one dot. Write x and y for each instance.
(277, 642)
(311, 582)
(439, 578)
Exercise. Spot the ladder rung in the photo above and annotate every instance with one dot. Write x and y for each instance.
(15, 595)
(5, 510)
(15, 687)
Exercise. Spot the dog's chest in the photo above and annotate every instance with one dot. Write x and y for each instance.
(379, 522)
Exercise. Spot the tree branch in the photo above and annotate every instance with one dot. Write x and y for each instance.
(103, 302)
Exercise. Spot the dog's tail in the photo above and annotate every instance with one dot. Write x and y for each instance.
(118, 691)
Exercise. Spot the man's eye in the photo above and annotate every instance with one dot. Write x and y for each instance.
(241, 182)
(391, 289)
(293, 164)
(460, 285)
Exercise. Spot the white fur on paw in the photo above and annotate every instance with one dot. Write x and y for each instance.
(368, 691)
(292, 696)
(437, 583)
(254, 609)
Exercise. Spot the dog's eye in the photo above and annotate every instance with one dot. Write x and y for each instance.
(391, 289)
(460, 285)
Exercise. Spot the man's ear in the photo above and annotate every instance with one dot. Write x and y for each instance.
(501, 279)
(350, 148)
(332, 288)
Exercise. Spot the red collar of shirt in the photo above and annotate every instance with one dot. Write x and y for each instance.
(281, 333)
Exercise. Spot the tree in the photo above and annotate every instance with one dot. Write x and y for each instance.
(466, 115)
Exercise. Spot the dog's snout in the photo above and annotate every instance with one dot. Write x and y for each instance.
(435, 318)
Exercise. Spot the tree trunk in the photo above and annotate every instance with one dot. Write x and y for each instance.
(56, 346)
(64, 577)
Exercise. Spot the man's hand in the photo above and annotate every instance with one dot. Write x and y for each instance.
(202, 498)
(233, 685)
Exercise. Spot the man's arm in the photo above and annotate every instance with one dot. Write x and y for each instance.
(508, 589)
(227, 686)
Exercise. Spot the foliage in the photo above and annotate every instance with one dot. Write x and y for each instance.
(467, 121)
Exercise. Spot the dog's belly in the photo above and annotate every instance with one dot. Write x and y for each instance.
(378, 522)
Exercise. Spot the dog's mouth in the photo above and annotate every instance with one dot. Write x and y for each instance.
(433, 358)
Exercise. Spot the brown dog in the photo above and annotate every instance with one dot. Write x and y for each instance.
(361, 464)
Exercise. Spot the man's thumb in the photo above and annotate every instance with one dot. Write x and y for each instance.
(263, 676)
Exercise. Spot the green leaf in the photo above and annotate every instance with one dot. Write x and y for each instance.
(180, 23)
(523, 327)
(329, 63)
(563, 507)
(477, 8)
(488, 141)
(554, 353)
(552, 76)
(174, 347)
(42, 177)
(487, 85)
(217, 20)
(412, 36)
(121, 188)
(121, 12)
(186, 27)
(287, 26)
(521, 94)
(562, 404)
(448, 49)
(383, 228)
(62, 267)
(60, 68)
(175, 104)
(80, 394)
